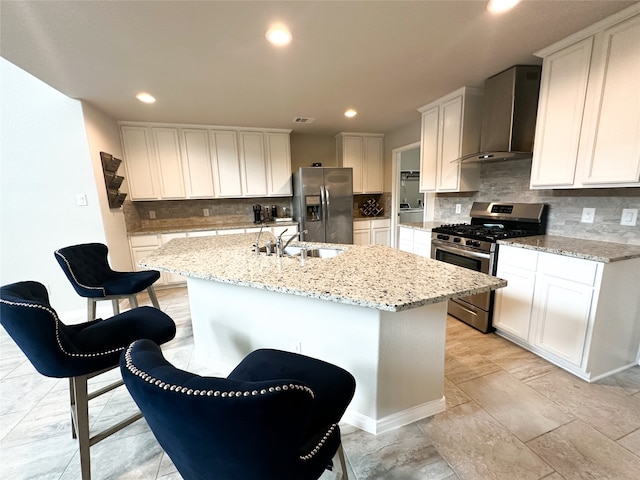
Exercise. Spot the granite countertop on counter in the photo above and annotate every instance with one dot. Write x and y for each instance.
(577, 247)
(200, 228)
(370, 276)
(426, 225)
(379, 217)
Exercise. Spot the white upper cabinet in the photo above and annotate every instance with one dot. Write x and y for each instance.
(196, 161)
(450, 130)
(183, 161)
(588, 127)
(278, 152)
(253, 166)
(226, 163)
(140, 163)
(364, 153)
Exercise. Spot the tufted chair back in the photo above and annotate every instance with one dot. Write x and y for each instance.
(87, 267)
(240, 427)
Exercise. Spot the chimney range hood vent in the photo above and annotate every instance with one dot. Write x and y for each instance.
(509, 110)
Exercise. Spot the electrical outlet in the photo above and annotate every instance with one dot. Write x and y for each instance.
(629, 217)
(152, 214)
(205, 212)
(458, 208)
(588, 215)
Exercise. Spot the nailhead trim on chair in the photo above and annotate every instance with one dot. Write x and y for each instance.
(55, 316)
(317, 448)
(104, 293)
(217, 393)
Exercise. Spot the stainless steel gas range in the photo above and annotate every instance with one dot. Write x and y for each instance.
(474, 246)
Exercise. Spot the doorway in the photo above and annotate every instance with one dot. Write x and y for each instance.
(407, 203)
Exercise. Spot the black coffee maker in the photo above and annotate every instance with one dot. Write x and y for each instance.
(257, 214)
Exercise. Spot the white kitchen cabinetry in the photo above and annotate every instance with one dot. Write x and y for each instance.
(178, 161)
(253, 165)
(580, 314)
(450, 130)
(372, 232)
(143, 245)
(364, 153)
(588, 126)
(278, 151)
(414, 241)
(197, 165)
(513, 304)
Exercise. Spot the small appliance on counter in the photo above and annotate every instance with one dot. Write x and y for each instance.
(257, 214)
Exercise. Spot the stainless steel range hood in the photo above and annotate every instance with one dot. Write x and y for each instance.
(509, 110)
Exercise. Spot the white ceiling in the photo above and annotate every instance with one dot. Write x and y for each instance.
(207, 62)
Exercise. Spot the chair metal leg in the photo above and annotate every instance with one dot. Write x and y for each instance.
(343, 463)
(80, 413)
(133, 302)
(116, 306)
(91, 308)
(152, 296)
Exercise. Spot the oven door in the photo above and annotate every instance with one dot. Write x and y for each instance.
(474, 309)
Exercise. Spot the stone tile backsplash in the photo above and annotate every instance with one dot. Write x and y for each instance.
(509, 181)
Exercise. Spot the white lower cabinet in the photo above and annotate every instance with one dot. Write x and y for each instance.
(414, 241)
(372, 232)
(580, 314)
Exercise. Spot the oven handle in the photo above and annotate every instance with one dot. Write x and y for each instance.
(460, 251)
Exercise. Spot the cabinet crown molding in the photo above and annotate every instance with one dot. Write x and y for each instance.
(465, 91)
(127, 123)
(590, 30)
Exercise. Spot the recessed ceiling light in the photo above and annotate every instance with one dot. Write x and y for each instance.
(500, 6)
(279, 35)
(350, 113)
(145, 98)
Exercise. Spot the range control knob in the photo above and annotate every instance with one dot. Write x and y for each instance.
(442, 237)
(456, 240)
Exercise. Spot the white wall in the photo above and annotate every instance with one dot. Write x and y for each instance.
(44, 163)
(104, 136)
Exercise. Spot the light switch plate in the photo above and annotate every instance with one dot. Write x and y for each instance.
(81, 199)
(458, 208)
(629, 217)
(588, 215)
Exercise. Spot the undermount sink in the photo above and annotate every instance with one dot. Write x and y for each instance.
(317, 252)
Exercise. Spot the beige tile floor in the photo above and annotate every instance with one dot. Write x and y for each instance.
(510, 415)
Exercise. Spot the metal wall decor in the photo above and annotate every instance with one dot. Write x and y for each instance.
(112, 180)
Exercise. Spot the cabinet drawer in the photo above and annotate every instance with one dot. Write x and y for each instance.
(381, 223)
(573, 269)
(144, 241)
(362, 224)
(518, 257)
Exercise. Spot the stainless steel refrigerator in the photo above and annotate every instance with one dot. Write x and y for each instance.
(323, 204)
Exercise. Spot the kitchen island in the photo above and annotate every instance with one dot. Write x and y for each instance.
(373, 310)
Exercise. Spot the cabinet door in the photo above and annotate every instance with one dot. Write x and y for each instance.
(422, 243)
(140, 163)
(560, 109)
(429, 150)
(373, 165)
(405, 239)
(450, 140)
(611, 145)
(279, 163)
(169, 163)
(226, 163)
(196, 160)
(252, 164)
(362, 232)
(381, 232)
(353, 153)
(562, 305)
(514, 303)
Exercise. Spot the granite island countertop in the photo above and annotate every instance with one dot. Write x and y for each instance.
(597, 251)
(372, 276)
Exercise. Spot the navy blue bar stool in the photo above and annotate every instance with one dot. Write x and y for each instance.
(275, 416)
(78, 352)
(87, 268)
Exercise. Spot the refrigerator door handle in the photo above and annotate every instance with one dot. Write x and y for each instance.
(327, 203)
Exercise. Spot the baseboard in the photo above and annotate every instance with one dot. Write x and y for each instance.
(397, 420)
